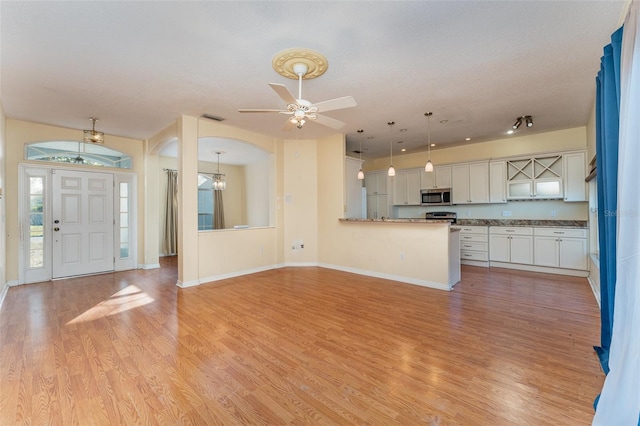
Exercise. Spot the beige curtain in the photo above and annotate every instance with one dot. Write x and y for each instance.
(218, 210)
(170, 237)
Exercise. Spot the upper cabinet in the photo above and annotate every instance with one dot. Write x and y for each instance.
(575, 170)
(470, 183)
(535, 177)
(439, 178)
(498, 182)
(376, 182)
(406, 188)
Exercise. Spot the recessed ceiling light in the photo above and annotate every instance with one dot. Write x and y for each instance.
(444, 121)
(403, 130)
(467, 139)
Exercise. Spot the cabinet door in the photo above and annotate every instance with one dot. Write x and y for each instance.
(413, 187)
(546, 252)
(382, 206)
(442, 176)
(574, 166)
(520, 190)
(573, 253)
(460, 184)
(548, 188)
(479, 183)
(427, 179)
(498, 182)
(522, 249)
(400, 188)
(499, 248)
(382, 182)
(370, 182)
(372, 204)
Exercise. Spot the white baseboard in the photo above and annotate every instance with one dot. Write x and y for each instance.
(186, 284)
(3, 293)
(382, 275)
(534, 268)
(13, 283)
(298, 264)
(149, 266)
(234, 274)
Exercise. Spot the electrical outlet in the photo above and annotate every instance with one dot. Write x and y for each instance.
(553, 213)
(401, 255)
(468, 213)
(506, 213)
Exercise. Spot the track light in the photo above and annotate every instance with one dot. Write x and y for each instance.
(527, 118)
(517, 123)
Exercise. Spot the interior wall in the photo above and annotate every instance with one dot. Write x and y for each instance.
(17, 134)
(3, 233)
(301, 201)
(561, 140)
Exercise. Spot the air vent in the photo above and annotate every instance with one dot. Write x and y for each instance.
(212, 117)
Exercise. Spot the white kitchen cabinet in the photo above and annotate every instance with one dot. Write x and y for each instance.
(561, 248)
(470, 183)
(575, 171)
(376, 182)
(377, 206)
(511, 244)
(406, 187)
(474, 245)
(498, 182)
(439, 178)
(354, 207)
(535, 178)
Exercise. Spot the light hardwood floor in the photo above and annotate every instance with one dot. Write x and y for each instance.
(300, 346)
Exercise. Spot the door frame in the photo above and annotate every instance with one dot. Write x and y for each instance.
(45, 273)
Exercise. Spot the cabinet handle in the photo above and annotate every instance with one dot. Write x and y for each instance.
(509, 230)
(466, 245)
(467, 238)
(558, 232)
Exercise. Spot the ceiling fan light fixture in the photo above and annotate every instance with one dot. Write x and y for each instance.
(93, 136)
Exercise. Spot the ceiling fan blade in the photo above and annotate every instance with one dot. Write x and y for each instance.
(337, 103)
(288, 126)
(283, 92)
(261, 110)
(328, 121)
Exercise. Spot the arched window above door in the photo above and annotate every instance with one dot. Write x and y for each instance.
(80, 153)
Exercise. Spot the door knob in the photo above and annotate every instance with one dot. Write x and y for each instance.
(56, 229)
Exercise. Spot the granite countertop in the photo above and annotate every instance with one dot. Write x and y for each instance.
(523, 222)
(391, 220)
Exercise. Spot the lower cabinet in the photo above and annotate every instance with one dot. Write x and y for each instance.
(377, 206)
(474, 245)
(511, 244)
(561, 248)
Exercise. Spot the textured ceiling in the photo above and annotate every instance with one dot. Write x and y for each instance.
(140, 65)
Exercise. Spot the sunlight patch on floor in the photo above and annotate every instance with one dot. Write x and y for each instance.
(128, 298)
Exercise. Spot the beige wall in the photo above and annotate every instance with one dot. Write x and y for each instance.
(19, 133)
(3, 233)
(562, 140)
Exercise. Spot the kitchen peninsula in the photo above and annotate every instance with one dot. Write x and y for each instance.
(414, 251)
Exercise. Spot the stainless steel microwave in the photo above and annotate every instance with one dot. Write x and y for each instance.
(435, 197)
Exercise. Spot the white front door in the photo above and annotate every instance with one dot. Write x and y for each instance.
(82, 223)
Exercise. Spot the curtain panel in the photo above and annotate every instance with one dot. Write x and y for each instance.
(619, 402)
(170, 237)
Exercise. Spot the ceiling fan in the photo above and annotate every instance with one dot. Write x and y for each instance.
(299, 108)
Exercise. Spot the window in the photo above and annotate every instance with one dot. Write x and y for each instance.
(36, 219)
(123, 197)
(205, 203)
(77, 153)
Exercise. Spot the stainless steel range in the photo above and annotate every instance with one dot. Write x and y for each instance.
(450, 216)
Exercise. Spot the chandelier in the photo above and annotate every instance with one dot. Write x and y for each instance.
(93, 135)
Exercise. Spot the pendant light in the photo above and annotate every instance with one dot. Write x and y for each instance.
(360, 172)
(392, 171)
(219, 184)
(93, 136)
(429, 166)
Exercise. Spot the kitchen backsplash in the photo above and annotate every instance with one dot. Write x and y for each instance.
(526, 210)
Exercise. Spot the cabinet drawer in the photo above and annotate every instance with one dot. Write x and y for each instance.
(474, 229)
(474, 237)
(503, 230)
(474, 255)
(464, 245)
(561, 232)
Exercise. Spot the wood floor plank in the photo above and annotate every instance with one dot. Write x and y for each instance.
(298, 346)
